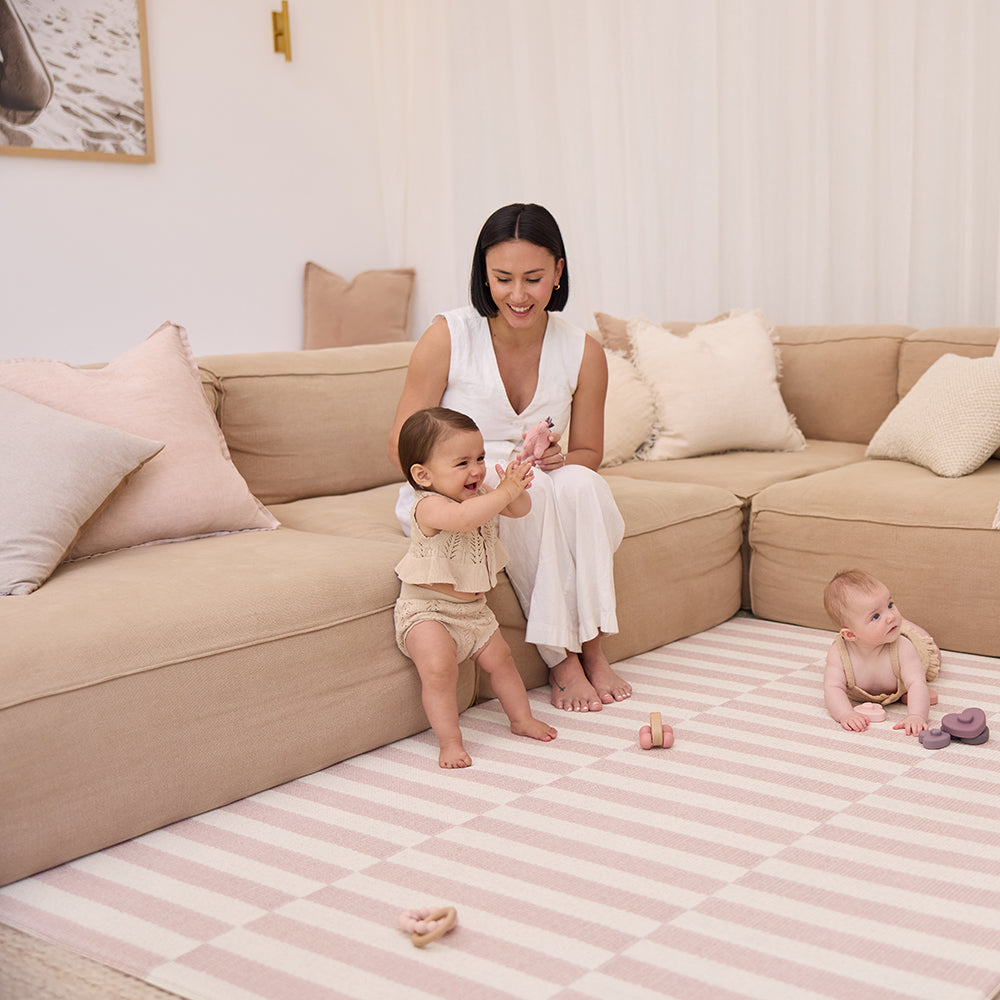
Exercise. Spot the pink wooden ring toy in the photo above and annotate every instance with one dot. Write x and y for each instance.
(656, 734)
(427, 924)
(874, 713)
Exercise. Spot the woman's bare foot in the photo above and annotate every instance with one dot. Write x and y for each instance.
(534, 728)
(453, 755)
(571, 691)
(608, 685)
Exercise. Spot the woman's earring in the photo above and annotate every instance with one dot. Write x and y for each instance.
(557, 286)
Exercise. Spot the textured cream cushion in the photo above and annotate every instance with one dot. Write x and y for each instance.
(154, 391)
(716, 389)
(629, 411)
(949, 422)
(57, 470)
(372, 308)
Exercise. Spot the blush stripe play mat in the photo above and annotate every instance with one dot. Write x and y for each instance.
(766, 854)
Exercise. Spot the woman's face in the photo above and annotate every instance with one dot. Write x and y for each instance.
(521, 277)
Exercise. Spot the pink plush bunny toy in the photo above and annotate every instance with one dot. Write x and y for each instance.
(535, 441)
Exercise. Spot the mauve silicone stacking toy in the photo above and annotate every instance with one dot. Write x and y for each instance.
(967, 725)
(427, 924)
(656, 734)
(934, 739)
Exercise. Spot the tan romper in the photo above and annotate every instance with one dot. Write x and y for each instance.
(469, 561)
(926, 650)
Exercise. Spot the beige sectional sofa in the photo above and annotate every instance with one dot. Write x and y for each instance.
(149, 684)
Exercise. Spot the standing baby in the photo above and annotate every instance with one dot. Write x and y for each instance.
(878, 656)
(455, 554)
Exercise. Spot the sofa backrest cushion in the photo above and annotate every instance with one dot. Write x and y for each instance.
(923, 347)
(310, 423)
(840, 381)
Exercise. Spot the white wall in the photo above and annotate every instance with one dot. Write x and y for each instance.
(260, 165)
(825, 161)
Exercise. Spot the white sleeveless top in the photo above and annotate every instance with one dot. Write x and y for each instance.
(476, 388)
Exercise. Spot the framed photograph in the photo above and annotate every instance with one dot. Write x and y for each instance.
(74, 80)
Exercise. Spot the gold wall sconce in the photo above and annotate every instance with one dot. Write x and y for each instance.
(282, 33)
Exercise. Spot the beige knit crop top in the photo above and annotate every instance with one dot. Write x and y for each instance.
(468, 560)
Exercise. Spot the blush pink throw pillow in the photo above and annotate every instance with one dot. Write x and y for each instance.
(191, 488)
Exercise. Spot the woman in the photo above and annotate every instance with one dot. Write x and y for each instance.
(509, 361)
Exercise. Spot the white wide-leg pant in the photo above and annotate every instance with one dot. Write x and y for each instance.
(562, 559)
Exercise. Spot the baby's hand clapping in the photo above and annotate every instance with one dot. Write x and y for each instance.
(517, 475)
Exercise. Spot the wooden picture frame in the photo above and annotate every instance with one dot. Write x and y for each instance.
(74, 80)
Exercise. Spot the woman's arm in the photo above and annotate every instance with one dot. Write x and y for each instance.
(426, 379)
(586, 438)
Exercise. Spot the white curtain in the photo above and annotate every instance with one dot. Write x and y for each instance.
(825, 160)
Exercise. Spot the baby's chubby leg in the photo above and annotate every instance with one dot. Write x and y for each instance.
(496, 659)
(433, 652)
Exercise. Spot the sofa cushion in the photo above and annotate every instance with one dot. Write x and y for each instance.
(58, 470)
(927, 537)
(840, 381)
(158, 682)
(686, 537)
(153, 391)
(745, 473)
(311, 423)
(922, 348)
(371, 308)
(949, 422)
(716, 389)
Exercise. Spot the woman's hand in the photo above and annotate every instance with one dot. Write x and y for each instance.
(552, 458)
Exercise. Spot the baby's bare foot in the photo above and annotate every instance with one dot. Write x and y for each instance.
(453, 755)
(534, 728)
(571, 691)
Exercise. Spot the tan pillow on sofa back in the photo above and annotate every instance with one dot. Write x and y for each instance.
(371, 308)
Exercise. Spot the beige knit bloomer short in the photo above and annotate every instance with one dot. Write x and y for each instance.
(470, 623)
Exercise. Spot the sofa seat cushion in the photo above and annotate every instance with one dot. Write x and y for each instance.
(894, 520)
(745, 473)
(686, 537)
(368, 514)
(149, 685)
(147, 608)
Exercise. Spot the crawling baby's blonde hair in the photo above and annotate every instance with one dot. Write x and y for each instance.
(839, 589)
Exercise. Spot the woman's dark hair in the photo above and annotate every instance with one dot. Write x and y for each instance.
(517, 222)
(422, 430)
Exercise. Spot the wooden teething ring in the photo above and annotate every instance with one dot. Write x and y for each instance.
(447, 916)
(656, 728)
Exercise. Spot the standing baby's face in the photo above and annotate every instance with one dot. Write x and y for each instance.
(456, 467)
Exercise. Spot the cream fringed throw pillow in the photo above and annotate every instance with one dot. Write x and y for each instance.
(153, 391)
(715, 389)
(629, 411)
(949, 422)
